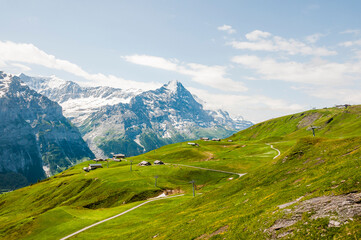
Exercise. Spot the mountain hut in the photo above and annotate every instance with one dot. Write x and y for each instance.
(144, 163)
(158, 162)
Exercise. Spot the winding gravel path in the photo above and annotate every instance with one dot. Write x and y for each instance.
(120, 214)
(279, 152)
(150, 200)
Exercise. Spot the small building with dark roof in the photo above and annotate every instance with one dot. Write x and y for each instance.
(118, 157)
(144, 163)
(99, 159)
(193, 144)
(158, 162)
(95, 166)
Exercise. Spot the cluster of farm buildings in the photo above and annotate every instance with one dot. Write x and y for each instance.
(118, 157)
(207, 139)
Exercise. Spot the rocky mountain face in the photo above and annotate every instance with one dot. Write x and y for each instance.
(36, 140)
(132, 122)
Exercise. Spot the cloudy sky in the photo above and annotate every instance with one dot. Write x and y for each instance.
(258, 59)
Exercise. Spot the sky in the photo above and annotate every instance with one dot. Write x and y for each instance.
(258, 59)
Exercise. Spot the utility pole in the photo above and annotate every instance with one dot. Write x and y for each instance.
(131, 161)
(313, 130)
(155, 184)
(194, 189)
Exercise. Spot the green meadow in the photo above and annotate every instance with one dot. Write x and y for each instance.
(225, 207)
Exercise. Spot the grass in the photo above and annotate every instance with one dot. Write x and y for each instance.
(99, 192)
(242, 208)
(248, 205)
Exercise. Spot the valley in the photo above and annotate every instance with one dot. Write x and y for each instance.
(180, 120)
(271, 201)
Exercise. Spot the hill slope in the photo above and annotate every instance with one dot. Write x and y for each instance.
(311, 191)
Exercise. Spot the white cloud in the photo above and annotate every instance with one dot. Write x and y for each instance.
(314, 37)
(17, 54)
(264, 41)
(14, 67)
(213, 76)
(153, 61)
(351, 43)
(337, 95)
(257, 35)
(227, 29)
(255, 107)
(317, 72)
(351, 31)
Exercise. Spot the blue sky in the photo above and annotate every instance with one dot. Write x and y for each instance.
(258, 59)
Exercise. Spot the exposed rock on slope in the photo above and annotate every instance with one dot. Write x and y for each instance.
(34, 135)
(338, 209)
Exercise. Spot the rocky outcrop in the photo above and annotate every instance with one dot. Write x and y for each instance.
(34, 135)
(338, 210)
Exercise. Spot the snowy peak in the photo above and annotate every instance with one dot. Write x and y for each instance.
(12, 86)
(78, 102)
(2, 75)
(4, 83)
(51, 82)
(173, 86)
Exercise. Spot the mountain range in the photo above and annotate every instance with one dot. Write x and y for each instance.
(113, 120)
(36, 140)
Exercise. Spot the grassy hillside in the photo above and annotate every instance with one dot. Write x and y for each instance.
(248, 206)
(331, 123)
(310, 191)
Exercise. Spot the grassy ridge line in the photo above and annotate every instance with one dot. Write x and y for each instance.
(332, 123)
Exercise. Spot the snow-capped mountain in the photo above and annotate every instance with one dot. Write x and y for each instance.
(35, 138)
(130, 121)
(77, 102)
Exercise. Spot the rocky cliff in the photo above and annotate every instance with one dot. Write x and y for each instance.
(36, 140)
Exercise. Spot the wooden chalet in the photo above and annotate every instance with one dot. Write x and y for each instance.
(118, 157)
(158, 162)
(144, 163)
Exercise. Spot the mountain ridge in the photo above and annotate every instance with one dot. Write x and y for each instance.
(36, 139)
(132, 121)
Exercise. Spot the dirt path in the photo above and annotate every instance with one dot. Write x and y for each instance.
(148, 201)
(278, 151)
(207, 169)
(120, 214)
